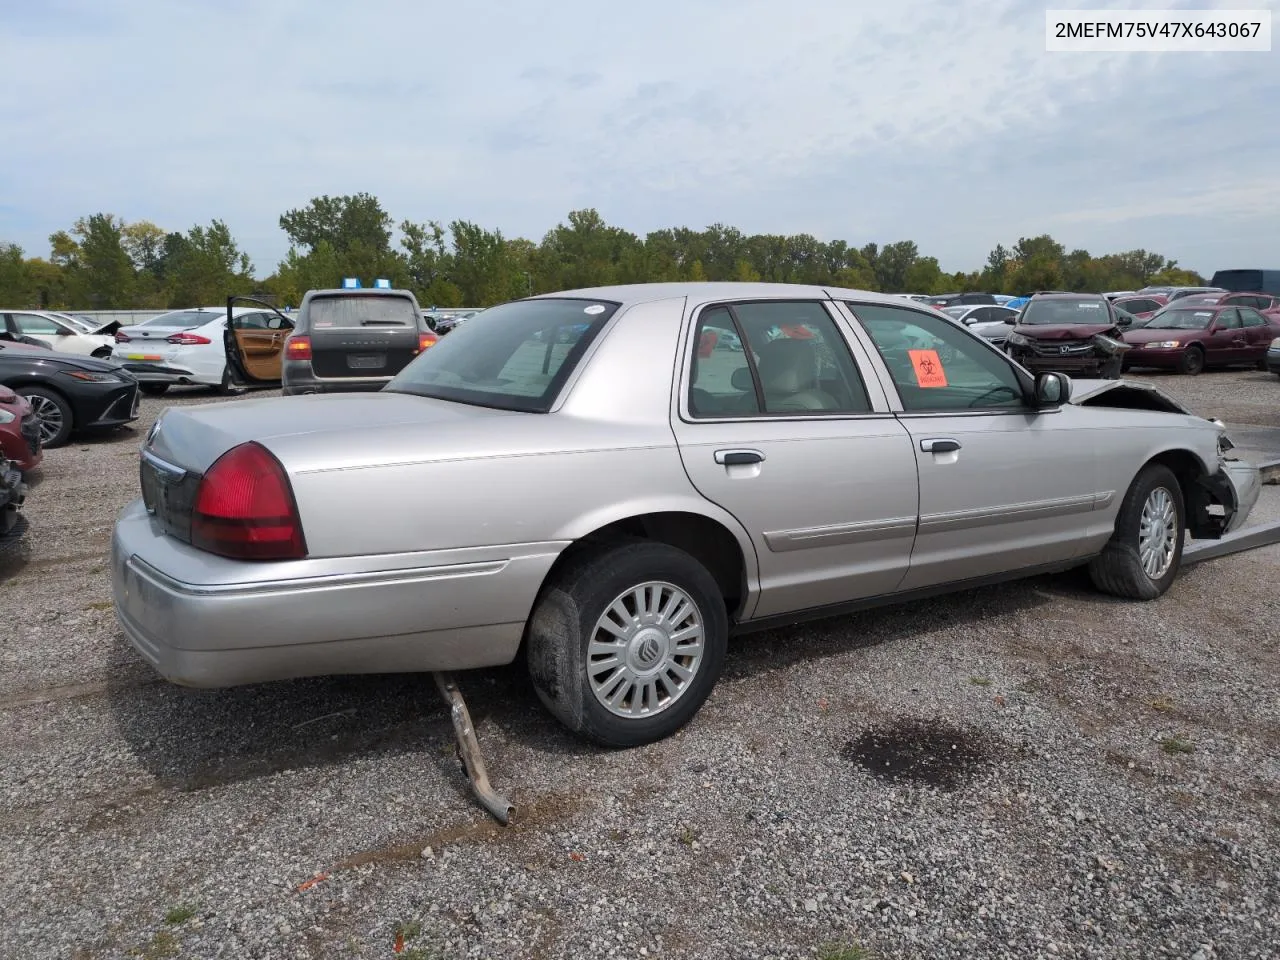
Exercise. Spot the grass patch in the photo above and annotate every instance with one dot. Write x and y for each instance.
(980, 681)
(844, 951)
(160, 947)
(179, 915)
(688, 836)
(1161, 703)
(1176, 745)
(99, 605)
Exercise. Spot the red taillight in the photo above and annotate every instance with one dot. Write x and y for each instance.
(297, 348)
(122, 337)
(426, 340)
(187, 339)
(245, 508)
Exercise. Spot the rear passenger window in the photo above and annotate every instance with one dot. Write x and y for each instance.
(781, 358)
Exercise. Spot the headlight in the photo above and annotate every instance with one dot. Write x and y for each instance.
(1017, 340)
(7, 417)
(1162, 345)
(92, 377)
(1275, 344)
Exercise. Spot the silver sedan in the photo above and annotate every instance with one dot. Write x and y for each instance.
(635, 474)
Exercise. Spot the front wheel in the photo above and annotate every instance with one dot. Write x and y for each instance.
(627, 642)
(1142, 558)
(52, 413)
(1192, 361)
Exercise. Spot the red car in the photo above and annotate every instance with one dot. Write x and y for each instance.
(1198, 335)
(1143, 305)
(1265, 303)
(19, 431)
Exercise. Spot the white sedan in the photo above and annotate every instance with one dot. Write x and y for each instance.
(184, 347)
(56, 330)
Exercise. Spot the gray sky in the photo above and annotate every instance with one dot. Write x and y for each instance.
(939, 121)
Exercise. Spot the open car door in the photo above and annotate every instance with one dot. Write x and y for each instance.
(254, 341)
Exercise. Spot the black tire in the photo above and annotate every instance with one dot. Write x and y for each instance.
(1192, 361)
(1119, 570)
(565, 618)
(40, 399)
(154, 389)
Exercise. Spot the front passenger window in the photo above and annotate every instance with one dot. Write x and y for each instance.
(936, 365)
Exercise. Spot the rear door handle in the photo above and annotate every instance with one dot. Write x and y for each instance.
(940, 445)
(734, 457)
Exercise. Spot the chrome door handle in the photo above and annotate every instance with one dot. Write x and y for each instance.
(733, 457)
(940, 445)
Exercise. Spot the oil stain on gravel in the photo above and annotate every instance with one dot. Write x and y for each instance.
(931, 753)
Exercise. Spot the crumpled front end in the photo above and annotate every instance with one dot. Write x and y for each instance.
(1222, 501)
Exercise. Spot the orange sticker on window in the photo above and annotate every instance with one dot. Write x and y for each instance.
(928, 367)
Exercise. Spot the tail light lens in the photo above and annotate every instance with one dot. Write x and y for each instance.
(187, 339)
(122, 337)
(297, 348)
(245, 509)
(426, 341)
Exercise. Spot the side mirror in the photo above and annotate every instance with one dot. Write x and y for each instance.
(1052, 389)
(1012, 320)
(63, 332)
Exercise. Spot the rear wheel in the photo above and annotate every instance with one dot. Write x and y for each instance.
(1141, 560)
(1192, 361)
(52, 412)
(627, 642)
(154, 389)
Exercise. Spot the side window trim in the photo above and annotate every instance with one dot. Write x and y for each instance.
(882, 402)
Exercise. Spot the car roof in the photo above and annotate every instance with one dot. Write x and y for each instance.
(701, 292)
(1069, 296)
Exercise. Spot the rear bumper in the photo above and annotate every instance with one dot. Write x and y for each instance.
(168, 373)
(205, 621)
(298, 378)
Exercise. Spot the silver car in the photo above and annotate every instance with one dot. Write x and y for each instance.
(625, 495)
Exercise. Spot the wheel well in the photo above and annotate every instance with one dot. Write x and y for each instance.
(1196, 496)
(102, 352)
(707, 540)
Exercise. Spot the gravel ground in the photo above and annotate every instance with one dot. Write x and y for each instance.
(1026, 771)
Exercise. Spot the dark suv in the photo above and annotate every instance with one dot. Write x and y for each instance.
(1078, 334)
(352, 340)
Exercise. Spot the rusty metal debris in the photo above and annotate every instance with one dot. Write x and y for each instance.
(469, 750)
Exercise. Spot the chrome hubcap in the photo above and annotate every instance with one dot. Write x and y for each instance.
(1158, 533)
(47, 415)
(645, 650)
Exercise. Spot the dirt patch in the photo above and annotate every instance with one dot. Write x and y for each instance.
(924, 753)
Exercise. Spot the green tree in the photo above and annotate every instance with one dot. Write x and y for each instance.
(209, 268)
(15, 286)
(101, 273)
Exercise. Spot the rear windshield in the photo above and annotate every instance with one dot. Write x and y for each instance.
(183, 319)
(324, 313)
(516, 356)
(1064, 312)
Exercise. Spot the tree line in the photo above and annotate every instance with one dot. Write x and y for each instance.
(103, 262)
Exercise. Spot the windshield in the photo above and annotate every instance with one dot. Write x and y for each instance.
(515, 356)
(1181, 320)
(1064, 312)
(185, 319)
(366, 310)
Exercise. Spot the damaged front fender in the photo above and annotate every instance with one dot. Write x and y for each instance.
(1220, 503)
